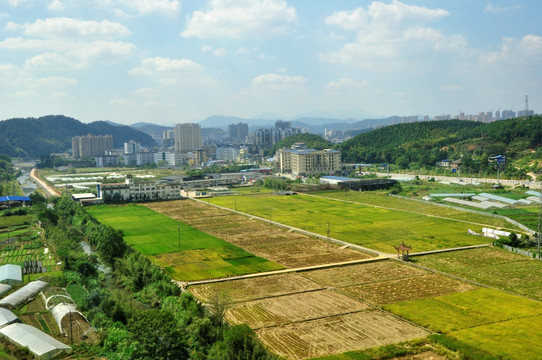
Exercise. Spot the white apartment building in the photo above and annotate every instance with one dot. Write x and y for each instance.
(187, 138)
(307, 162)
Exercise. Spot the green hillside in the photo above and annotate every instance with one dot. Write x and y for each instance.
(31, 137)
(422, 144)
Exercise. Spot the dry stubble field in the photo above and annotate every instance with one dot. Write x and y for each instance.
(329, 311)
(289, 249)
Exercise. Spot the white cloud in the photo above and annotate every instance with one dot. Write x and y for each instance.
(51, 61)
(64, 27)
(165, 66)
(56, 5)
(379, 12)
(216, 52)
(346, 84)
(120, 101)
(278, 81)
(145, 92)
(241, 19)
(173, 71)
(515, 52)
(490, 8)
(392, 35)
(145, 7)
(451, 88)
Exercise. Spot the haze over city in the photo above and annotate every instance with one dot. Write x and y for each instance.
(169, 61)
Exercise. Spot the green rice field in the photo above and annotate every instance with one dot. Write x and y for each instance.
(494, 321)
(185, 252)
(491, 266)
(376, 228)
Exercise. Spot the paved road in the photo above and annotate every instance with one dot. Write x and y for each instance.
(49, 191)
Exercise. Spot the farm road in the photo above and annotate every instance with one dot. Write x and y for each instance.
(49, 191)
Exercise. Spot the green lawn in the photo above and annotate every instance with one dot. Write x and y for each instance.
(199, 255)
(375, 228)
(494, 321)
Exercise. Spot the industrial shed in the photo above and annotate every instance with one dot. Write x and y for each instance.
(39, 343)
(11, 274)
(23, 294)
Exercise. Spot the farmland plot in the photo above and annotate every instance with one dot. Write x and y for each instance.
(412, 288)
(491, 266)
(185, 252)
(255, 288)
(497, 322)
(376, 228)
(338, 334)
(293, 308)
(264, 240)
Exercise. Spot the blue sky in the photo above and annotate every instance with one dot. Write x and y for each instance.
(168, 61)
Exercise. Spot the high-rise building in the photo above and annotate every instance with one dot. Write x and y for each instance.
(132, 147)
(91, 145)
(238, 131)
(308, 161)
(187, 137)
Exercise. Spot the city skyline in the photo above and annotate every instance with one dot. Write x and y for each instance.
(162, 62)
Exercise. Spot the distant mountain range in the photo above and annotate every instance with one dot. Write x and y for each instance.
(312, 124)
(31, 137)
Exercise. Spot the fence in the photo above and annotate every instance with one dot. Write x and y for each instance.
(528, 253)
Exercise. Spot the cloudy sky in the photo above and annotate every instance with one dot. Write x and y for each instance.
(169, 61)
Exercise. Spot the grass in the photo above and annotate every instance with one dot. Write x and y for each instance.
(491, 266)
(375, 228)
(193, 255)
(381, 198)
(488, 319)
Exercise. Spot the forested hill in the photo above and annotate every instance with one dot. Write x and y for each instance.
(33, 137)
(424, 143)
(311, 141)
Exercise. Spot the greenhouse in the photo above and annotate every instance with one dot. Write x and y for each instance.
(39, 343)
(7, 317)
(62, 310)
(4, 288)
(23, 294)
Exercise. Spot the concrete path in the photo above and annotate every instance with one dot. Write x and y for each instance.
(49, 191)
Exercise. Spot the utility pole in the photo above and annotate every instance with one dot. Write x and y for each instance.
(538, 229)
(270, 215)
(328, 236)
(71, 328)
(179, 235)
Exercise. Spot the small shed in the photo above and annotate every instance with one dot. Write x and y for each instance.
(11, 274)
(39, 343)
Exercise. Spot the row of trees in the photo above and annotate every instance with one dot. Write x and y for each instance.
(138, 311)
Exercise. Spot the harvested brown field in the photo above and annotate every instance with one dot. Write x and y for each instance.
(427, 355)
(412, 288)
(338, 334)
(298, 307)
(255, 288)
(290, 249)
(342, 276)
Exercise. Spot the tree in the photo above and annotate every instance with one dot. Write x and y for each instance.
(157, 334)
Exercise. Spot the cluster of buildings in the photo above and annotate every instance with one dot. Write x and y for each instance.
(485, 117)
(299, 161)
(91, 145)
